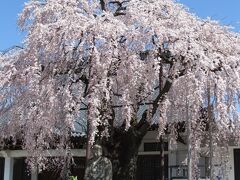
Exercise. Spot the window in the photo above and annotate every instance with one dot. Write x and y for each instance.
(155, 146)
(20, 171)
(2, 162)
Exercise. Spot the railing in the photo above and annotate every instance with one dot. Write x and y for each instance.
(181, 172)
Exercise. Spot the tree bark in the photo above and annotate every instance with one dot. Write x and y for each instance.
(122, 150)
(88, 147)
(161, 169)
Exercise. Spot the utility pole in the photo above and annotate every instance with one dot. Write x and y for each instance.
(189, 142)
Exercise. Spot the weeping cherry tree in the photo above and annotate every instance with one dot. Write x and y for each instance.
(126, 64)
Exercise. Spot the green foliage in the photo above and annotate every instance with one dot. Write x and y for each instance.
(73, 178)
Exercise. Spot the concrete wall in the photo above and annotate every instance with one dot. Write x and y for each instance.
(178, 155)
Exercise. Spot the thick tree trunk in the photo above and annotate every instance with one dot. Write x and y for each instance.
(125, 171)
(122, 149)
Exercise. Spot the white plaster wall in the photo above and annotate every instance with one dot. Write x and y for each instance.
(24, 153)
(151, 136)
(231, 162)
(231, 171)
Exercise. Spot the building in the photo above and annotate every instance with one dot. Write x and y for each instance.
(13, 167)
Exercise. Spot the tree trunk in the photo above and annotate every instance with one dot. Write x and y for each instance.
(161, 169)
(122, 149)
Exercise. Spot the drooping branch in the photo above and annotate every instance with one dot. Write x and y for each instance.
(102, 3)
(143, 125)
(160, 96)
(121, 8)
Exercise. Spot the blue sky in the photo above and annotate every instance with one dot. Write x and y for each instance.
(9, 33)
(226, 11)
